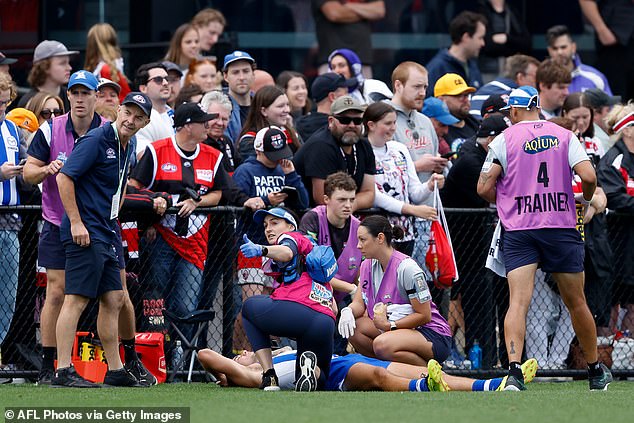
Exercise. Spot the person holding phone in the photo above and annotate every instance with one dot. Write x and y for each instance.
(397, 187)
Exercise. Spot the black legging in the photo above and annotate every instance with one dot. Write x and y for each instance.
(263, 316)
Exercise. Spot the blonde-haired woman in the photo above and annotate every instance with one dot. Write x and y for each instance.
(103, 56)
(616, 176)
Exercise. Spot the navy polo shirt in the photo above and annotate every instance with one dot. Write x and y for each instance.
(95, 165)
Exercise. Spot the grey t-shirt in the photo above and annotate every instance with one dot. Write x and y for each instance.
(416, 131)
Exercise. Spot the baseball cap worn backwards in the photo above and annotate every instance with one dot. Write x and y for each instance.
(451, 84)
(85, 78)
(259, 215)
(492, 125)
(326, 83)
(140, 100)
(436, 108)
(273, 143)
(51, 48)
(191, 113)
(525, 97)
(235, 56)
(346, 103)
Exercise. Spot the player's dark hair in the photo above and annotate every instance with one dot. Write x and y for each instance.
(376, 224)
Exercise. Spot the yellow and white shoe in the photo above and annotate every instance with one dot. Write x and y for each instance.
(435, 381)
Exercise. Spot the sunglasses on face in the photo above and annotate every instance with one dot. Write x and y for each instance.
(46, 113)
(159, 79)
(345, 120)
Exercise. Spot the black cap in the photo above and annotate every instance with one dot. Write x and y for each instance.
(273, 143)
(492, 125)
(327, 83)
(191, 113)
(139, 99)
(171, 66)
(493, 104)
(599, 98)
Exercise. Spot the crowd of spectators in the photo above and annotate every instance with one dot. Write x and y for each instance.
(223, 132)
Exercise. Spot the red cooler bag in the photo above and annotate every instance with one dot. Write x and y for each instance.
(440, 257)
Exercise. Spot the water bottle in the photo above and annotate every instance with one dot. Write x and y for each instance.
(475, 355)
(177, 358)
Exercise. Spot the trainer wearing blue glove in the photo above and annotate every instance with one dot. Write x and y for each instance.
(249, 249)
(298, 308)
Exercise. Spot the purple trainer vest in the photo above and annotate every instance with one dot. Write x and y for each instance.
(350, 257)
(536, 190)
(388, 292)
(61, 144)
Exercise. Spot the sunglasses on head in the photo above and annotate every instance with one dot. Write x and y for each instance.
(159, 79)
(345, 120)
(46, 113)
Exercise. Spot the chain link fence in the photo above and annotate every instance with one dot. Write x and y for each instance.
(162, 276)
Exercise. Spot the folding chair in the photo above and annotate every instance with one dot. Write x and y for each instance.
(199, 317)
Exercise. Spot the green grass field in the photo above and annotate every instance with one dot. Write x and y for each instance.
(543, 402)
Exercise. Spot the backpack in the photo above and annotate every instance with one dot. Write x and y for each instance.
(440, 258)
(321, 264)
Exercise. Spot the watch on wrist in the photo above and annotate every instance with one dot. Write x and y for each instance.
(265, 251)
(393, 326)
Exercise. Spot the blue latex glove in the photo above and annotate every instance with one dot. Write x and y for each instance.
(249, 249)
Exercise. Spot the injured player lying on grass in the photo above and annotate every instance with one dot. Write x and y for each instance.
(353, 372)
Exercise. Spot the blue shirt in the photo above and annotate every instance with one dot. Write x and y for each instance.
(443, 63)
(96, 165)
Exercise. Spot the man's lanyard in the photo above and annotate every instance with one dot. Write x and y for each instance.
(125, 163)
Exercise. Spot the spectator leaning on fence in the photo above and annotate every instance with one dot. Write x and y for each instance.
(192, 173)
(539, 227)
(91, 186)
(10, 171)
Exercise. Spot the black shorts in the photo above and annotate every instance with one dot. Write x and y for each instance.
(440, 344)
(91, 271)
(50, 251)
(556, 250)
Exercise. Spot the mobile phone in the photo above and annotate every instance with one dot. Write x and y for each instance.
(448, 155)
(22, 162)
(288, 190)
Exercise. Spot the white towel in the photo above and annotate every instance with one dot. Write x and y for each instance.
(495, 260)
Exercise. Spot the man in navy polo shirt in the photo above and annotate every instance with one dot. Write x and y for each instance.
(91, 184)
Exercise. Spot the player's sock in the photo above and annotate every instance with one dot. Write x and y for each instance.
(48, 357)
(594, 369)
(515, 369)
(486, 384)
(128, 348)
(418, 385)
